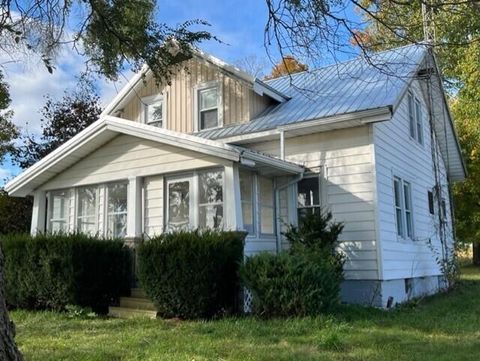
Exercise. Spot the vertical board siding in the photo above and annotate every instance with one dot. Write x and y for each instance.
(154, 203)
(346, 156)
(239, 102)
(396, 154)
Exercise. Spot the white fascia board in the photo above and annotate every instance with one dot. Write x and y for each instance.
(125, 94)
(262, 89)
(347, 120)
(69, 147)
(272, 162)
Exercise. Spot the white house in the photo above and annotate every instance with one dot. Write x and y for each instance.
(373, 141)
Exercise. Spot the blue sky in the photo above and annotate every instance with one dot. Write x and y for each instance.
(238, 24)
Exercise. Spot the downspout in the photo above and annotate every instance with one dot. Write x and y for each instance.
(277, 194)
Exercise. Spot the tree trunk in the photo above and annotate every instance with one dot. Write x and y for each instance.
(8, 348)
(476, 253)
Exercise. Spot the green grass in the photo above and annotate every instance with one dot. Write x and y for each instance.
(443, 327)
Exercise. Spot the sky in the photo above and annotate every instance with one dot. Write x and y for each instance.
(238, 24)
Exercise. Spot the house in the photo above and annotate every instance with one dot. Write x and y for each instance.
(372, 141)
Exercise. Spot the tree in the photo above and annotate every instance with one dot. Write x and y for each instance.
(15, 213)
(287, 66)
(8, 131)
(61, 120)
(457, 46)
(253, 65)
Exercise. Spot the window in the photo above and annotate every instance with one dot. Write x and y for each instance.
(210, 204)
(59, 201)
(403, 207)
(208, 100)
(178, 208)
(443, 209)
(415, 118)
(247, 197)
(87, 210)
(117, 210)
(266, 204)
(308, 197)
(154, 111)
(431, 207)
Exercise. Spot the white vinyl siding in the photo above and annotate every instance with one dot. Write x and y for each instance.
(154, 201)
(395, 156)
(346, 157)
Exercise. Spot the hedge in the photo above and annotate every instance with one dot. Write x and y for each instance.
(53, 271)
(192, 274)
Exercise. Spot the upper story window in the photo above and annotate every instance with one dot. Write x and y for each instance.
(154, 110)
(308, 197)
(403, 207)
(415, 117)
(209, 115)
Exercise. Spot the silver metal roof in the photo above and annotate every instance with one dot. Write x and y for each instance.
(352, 86)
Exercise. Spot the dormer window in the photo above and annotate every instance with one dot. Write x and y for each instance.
(154, 111)
(208, 100)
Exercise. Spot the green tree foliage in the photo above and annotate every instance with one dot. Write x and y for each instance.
(15, 213)
(61, 120)
(457, 29)
(8, 131)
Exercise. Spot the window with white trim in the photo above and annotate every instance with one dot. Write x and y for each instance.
(208, 107)
(308, 197)
(87, 207)
(403, 208)
(415, 117)
(154, 110)
(247, 196)
(59, 201)
(117, 210)
(210, 202)
(266, 205)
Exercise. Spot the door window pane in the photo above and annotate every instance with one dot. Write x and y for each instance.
(87, 210)
(117, 210)
(210, 199)
(178, 205)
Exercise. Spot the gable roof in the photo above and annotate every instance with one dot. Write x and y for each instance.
(130, 90)
(353, 86)
(107, 127)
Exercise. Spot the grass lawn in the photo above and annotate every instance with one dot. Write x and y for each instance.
(444, 327)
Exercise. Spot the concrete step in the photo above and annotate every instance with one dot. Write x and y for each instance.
(138, 293)
(137, 303)
(122, 312)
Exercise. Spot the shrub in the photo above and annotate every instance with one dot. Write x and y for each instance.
(192, 274)
(305, 280)
(53, 271)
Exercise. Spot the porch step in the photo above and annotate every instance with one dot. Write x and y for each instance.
(138, 293)
(137, 303)
(123, 312)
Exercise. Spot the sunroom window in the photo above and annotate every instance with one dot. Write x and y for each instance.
(210, 204)
(308, 197)
(117, 210)
(208, 108)
(267, 205)
(87, 209)
(153, 108)
(247, 197)
(59, 201)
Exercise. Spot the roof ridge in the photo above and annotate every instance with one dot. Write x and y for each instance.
(343, 62)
